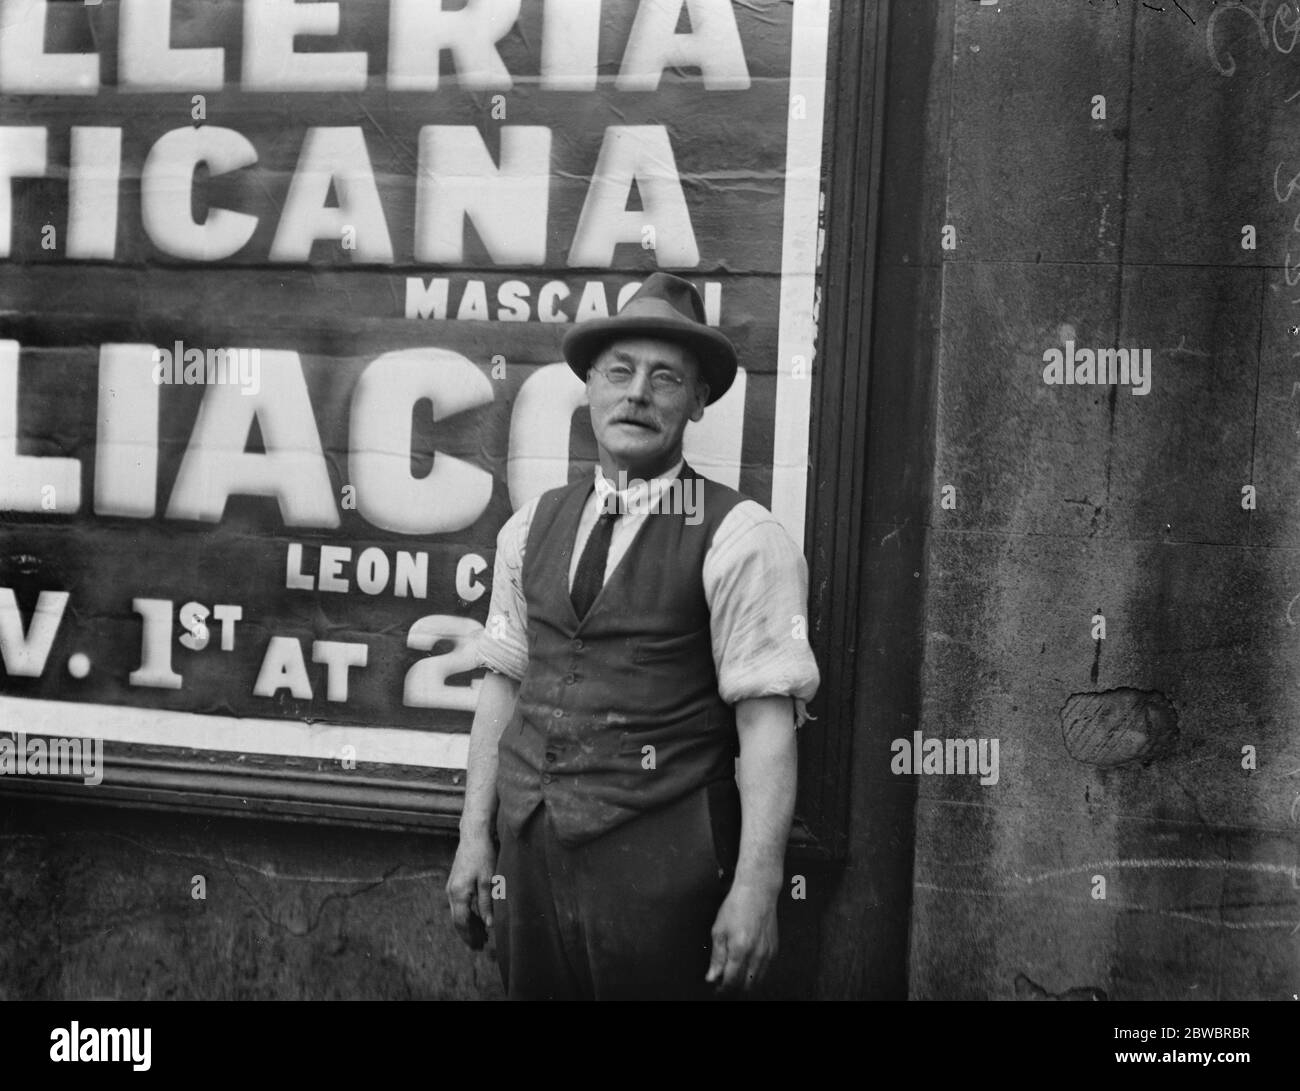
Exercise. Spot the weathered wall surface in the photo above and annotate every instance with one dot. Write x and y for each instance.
(97, 903)
(1127, 848)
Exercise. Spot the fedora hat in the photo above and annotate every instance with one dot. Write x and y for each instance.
(665, 307)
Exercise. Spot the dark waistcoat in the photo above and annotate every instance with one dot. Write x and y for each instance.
(619, 712)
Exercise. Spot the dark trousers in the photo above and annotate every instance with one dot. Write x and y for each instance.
(627, 916)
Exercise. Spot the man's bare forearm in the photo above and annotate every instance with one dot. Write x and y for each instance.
(767, 776)
(496, 706)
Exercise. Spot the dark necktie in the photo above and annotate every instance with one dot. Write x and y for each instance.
(590, 577)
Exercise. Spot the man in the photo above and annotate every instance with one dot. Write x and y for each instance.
(648, 670)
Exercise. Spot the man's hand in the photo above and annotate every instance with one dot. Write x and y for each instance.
(744, 938)
(744, 933)
(469, 888)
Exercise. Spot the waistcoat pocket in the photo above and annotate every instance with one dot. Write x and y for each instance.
(673, 647)
(695, 730)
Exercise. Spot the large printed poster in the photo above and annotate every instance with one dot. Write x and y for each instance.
(282, 289)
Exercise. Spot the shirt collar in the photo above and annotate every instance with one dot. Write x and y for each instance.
(638, 494)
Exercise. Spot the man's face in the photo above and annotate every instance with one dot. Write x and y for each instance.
(642, 393)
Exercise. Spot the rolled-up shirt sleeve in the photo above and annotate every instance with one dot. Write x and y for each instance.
(503, 644)
(756, 584)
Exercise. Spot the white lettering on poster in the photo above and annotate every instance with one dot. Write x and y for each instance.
(419, 33)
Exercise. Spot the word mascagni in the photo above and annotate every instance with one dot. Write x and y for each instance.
(500, 182)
